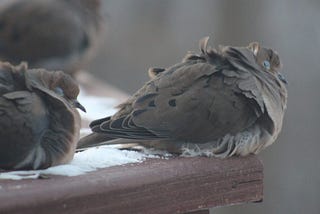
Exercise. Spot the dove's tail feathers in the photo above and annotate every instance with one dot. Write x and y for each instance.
(124, 127)
(100, 139)
(93, 139)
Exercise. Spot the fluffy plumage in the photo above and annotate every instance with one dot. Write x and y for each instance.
(39, 125)
(224, 102)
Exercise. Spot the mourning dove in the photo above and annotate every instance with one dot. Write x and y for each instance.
(224, 102)
(39, 125)
(51, 34)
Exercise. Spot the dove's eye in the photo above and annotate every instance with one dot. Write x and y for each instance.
(266, 64)
(59, 91)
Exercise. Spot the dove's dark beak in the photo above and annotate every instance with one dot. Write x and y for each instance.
(282, 78)
(76, 104)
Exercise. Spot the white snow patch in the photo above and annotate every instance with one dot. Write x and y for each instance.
(83, 162)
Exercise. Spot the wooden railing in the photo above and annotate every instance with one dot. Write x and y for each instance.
(175, 185)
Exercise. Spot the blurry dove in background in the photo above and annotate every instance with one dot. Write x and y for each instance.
(218, 103)
(39, 125)
(51, 34)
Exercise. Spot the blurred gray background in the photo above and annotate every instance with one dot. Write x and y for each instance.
(144, 33)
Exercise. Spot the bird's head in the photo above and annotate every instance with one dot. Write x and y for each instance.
(59, 85)
(267, 59)
(255, 56)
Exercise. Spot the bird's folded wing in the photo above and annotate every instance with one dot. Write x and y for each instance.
(20, 111)
(193, 102)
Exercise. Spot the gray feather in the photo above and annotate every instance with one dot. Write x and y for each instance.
(38, 128)
(222, 101)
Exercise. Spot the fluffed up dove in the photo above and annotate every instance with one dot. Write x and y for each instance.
(51, 34)
(224, 102)
(39, 123)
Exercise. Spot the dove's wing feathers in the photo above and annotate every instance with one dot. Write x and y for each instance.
(21, 109)
(192, 101)
(39, 125)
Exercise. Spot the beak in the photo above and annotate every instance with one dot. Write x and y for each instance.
(76, 104)
(282, 78)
